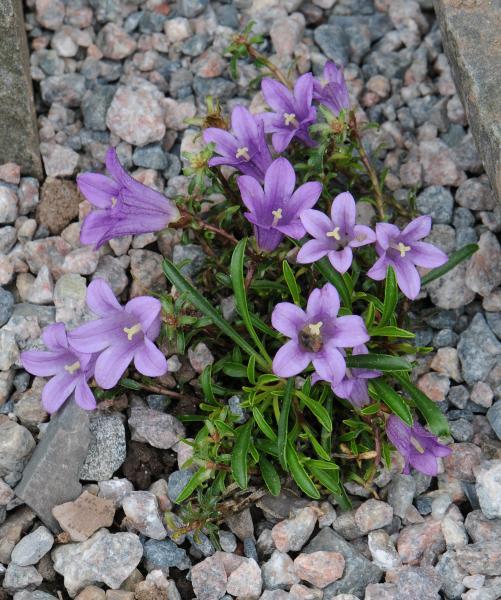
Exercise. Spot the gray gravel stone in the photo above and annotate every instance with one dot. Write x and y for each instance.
(21, 578)
(477, 350)
(165, 554)
(177, 482)
(16, 444)
(494, 416)
(32, 547)
(158, 429)
(107, 448)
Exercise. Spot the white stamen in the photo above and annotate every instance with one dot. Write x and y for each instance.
(113, 202)
(402, 248)
(277, 215)
(290, 119)
(72, 368)
(334, 233)
(131, 331)
(315, 328)
(244, 151)
(417, 445)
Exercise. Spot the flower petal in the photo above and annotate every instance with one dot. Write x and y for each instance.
(408, 278)
(266, 238)
(323, 301)
(57, 390)
(312, 251)
(243, 123)
(290, 360)
(54, 337)
(427, 255)
(84, 396)
(95, 229)
(425, 463)
(399, 435)
(253, 198)
(316, 223)
(226, 143)
(417, 229)
(362, 235)
(101, 299)
(331, 366)
(379, 268)
(341, 259)
(359, 395)
(303, 94)
(350, 331)
(277, 95)
(294, 230)
(279, 183)
(281, 139)
(288, 319)
(343, 211)
(304, 198)
(149, 360)
(147, 311)
(96, 335)
(112, 363)
(98, 189)
(385, 233)
(44, 364)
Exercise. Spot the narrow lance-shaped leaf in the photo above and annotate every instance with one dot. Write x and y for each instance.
(390, 297)
(239, 462)
(291, 282)
(380, 362)
(457, 257)
(393, 401)
(270, 475)
(283, 423)
(299, 474)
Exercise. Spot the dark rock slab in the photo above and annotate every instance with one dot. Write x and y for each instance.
(470, 35)
(18, 125)
(51, 476)
(358, 571)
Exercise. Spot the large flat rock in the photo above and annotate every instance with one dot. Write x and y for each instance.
(471, 32)
(18, 125)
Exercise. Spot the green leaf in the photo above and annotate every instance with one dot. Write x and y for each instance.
(223, 428)
(299, 474)
(251, 370)
(263, 425)
(325, 268)
(390, 296)
(434, 417)
(331, 483)
(371, 409)
(283, 423)
(237, 280)
(391, 331)
(317, 409)
(130, 384)
(239, 464)
(206, 384)
(270, 475)
(457, 257)
(380, 362)
(198, 478)
(233, 369)
(204, 306)
(291, 282)
(393, 401)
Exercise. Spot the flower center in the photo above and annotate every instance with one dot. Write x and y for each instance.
(243, 151)
(72, 368)
(334, 233)
(131, 331)
(290, 119)
(417, 445)
(277, 215)
(402, 248)
(310, 337)
(324, 82)
(113, 202)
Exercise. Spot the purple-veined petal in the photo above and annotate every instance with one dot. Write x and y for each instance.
(303, 135)
(98, 189)
(343, 212)
(145, 309)
(243, 123)
(96, 335)
(279, 183)
(312, 251)
(54, 337)
(362, 235)
(350, 331)
(408, 278)
(216, 161)
(341, 259)
(303, 93)
(359, 395)
(294, 230)
(417, 229)
(277, 95)
(149, 361)
(427, 255)
(95, 228)
(316, 223)
(344, 388)
(84, 396)
(290, 360)
(385, 233)
(425, 463)
(281, 139)
(45, 364)
(267, 239)
(304, 198)
(331, 72)
(288, 319)
(399, 435)
(101, 299)
(225, 143)
(253, 198)
(112, 363)
(57, 390)
(379, 268)
(323, 301)
(330, 366)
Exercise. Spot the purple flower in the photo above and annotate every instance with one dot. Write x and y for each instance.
(275, 211)
(419, 447)
(334, 237)
(68, 368)
(316, 336)
(125, 206)
(122, 334)
(402, 250)
(246, 149)
(330, 90)
(353, 386)
(293, 112)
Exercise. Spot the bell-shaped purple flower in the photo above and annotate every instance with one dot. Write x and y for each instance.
(124, 206)
(330, 89)
(275, 210)
(403, 250)
(245, 149)
(334, 237)
(121, 334)
(293, 113)
(68, 368)
(316, 336)
(419, 447)
(353, 386)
